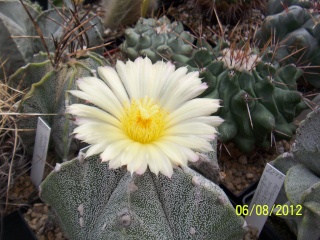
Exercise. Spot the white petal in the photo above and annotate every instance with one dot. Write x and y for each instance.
(158, 161)
(114, 149)
(195, 128)
(92, 112)
(111, 77)
(97, 92)
(190, 141)
(96, 148)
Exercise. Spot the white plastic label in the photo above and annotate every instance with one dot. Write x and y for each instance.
(40, 152)
(262, 203)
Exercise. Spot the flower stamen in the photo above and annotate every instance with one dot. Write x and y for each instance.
(144, 120)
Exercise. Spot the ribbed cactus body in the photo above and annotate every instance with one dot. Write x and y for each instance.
(53, 23)
(297, 34)
(94, 202)
(302, 183)
(48, 95)
(258, 97)
(15, 39)
(157, 39)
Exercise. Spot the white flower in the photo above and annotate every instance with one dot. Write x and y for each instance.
(146, 115)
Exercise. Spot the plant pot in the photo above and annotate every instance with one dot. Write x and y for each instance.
(15, 227)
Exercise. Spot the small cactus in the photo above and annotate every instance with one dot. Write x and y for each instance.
(124, 12)
(157, 39)
(255, 91)
(297, 37)
(94, 202)
(302, 183)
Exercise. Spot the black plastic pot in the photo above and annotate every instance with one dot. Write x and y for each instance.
(15, 227)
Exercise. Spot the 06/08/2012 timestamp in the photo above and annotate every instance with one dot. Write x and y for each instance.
(264, 210)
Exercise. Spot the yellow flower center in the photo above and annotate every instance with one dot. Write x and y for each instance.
(144, 120)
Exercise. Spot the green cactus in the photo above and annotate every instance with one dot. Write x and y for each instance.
(48, 95)
(229, 11)
(122, 13)
(52, 26)
(94, 202)
(157, 39)
(297, 37)
(302, 183)
(276, 6)
(259, 97)
(15, 48)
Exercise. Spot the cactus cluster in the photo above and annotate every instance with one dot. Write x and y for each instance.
(296, 33)
(302, 183)
(157, 39)
(259, 97)
(93, 202)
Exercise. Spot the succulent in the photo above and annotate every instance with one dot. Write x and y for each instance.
(48, 95)
(259, 97)
(302, 182)
(55, 23)
(276, 6)
(157, 39)
(296, 34)
(15, 48)
(125, 12)
(93, 202)
(229, 11)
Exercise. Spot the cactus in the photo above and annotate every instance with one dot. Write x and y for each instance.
(276, 6)
(259, 98)
(229, 11)
(302, 183)
(157, 39)
(15, 48)
(125, 12)
(51, 24)
(48, 96)
(94, 202)
(297, 33)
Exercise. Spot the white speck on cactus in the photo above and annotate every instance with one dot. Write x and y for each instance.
(80, 209)
(81, 156)
(132, 187)
(192, 231)
(94, 72)
(57, 167)
(286, 154)
(81, 221)
(125, 220)
(104, 226)
(196, 181)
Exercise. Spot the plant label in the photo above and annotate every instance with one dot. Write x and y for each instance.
(40, 152)
(262, 204)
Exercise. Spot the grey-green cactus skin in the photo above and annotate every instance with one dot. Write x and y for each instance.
(294, 29)
(258, 98)
(276, 6)
(53, 25)
(302, 183)
(94, 202)
(48, 95)
(15, 48)
(157, 39)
